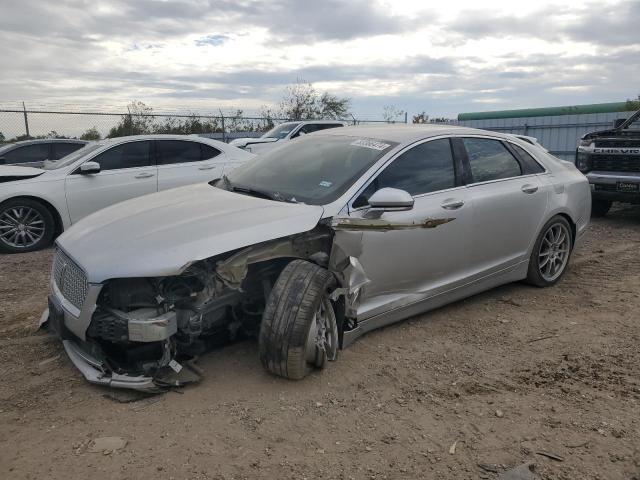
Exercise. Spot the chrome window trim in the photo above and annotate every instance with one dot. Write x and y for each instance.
(390, 160)
(489, 137)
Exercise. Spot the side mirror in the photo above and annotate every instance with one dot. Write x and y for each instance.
(391, 200)
(88, 168)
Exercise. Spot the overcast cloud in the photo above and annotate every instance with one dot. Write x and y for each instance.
(441, 57)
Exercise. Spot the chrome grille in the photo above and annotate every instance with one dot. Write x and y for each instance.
(616, 163)
(69, 278)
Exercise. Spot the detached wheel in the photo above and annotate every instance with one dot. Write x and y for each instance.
(599, 208)
(551, 253)
(299, 330)
(25, 226)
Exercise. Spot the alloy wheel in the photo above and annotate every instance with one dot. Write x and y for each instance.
(21, 226)
(554, 251)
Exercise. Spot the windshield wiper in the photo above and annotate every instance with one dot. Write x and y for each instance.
(256, 193)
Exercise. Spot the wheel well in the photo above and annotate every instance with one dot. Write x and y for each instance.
(57, 219)
(572, 225)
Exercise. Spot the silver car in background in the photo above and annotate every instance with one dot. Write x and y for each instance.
(309, 247)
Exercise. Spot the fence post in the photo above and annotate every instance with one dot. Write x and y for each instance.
(406, 118)
(26, 120)
(224, 138)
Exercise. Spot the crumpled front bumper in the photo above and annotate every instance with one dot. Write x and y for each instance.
(93, 369)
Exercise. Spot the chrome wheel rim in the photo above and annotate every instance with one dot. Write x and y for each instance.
(21, 227)
(554, 251)
(322, 341)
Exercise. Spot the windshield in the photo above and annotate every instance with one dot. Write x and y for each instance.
(281, 131)
(72, 157)
(314, 170)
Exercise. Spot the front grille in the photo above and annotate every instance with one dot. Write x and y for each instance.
(70, 279)
(606, 187)
(615, 163)
(617, 143)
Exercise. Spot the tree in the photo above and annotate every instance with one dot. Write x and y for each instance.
(138, 121)
(302, 101)
(2, 137)
(91, 134)
(420, 118)
(633, 105)
(390, 113)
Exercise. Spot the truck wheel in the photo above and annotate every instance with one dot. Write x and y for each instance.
(599, 208)
(25, 225)
(551, 253)
(299, 330)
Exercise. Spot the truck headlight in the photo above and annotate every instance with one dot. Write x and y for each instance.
(583, 162)
(585, 142)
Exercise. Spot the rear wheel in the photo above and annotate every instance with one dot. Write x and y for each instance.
(299, 330)
(551, 253)
(599, 208)
(25, 225)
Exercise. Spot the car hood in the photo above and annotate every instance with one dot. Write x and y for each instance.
(162, 233)
(17, 172)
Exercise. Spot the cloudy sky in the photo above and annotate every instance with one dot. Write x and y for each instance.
(443, 57)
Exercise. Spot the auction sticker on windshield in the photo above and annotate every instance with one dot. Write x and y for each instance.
(372, 144)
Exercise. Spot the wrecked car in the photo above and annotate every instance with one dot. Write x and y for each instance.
(309, 247)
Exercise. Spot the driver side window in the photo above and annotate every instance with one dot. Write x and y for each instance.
(425, 168)
(126, 155)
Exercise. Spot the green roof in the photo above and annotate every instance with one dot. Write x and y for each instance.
(548, 111)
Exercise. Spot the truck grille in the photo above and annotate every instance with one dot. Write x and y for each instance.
(616, 163)
(617, 143)
(70, 279)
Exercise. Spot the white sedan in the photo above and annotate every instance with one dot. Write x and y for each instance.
(36, 204)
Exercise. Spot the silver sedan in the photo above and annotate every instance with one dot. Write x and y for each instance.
(309, 247)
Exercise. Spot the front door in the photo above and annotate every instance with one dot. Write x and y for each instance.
(126, 171)
(424, 250)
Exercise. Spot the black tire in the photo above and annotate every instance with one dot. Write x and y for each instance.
(599, 208)
(534, 274)
(297, 295)
(44, 238)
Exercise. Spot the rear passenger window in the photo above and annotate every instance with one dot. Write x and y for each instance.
(425, 168)
(532, 166)
(490, 160)
(177, 151)
(126, 155)
(63, 149)
(208, 151)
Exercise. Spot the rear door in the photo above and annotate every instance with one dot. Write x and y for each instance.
(508, 203)
(126, 171)
(183, 162)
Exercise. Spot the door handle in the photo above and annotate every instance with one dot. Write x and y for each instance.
(528, 188)
(452, 204)
(206, 167)
(144, 175)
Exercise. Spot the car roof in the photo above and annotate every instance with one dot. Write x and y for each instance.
(322, 122)
(404, 133)
(158, 136)
(35, 141)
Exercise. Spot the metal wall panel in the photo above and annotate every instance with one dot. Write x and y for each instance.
(558, 133)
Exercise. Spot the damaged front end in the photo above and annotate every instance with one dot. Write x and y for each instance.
(144, 333)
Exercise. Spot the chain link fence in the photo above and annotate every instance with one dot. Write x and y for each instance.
(92, 124)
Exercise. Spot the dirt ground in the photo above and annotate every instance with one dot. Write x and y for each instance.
(493, 380)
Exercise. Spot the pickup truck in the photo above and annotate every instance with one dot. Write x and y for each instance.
(610, 159)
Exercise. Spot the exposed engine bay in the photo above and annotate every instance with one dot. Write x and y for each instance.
(155, 326)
